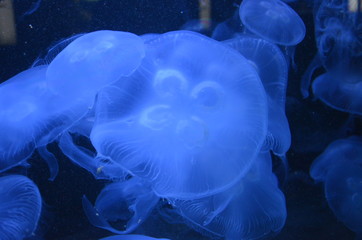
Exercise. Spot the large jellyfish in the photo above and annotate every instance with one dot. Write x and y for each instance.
(272, 68)
(252, 209)
(191, 119)
(20, 207)
(272, 20)
(340, 169)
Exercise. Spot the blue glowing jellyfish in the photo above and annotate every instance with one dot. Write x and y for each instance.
(30, 116)
(272, 20)
(337, 29)
(20, 207)
(131, 237)
(272, 68)
(252, 209)
(190, 120)
(338, 39)
(340, 90)
(93, 61)
(340, 169)
(37, 105)
(130, 201)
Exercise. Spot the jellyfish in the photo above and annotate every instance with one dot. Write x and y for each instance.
(130, 201)
(191, 119)
(340, 90)
(40, 103)
(93, 61)
(272, 20)
(30, 117)
(251, 209)
(20, 207)
(271, 66)
(337, 35)
(131, 237)
(338, 41)
(339, 167)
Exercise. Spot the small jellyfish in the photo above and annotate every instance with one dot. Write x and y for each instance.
(340, 90)
(190, 120)
(339, 167)
(251, 209)
(20, 207)
(93, 61)
(338, 39)
(272, 20)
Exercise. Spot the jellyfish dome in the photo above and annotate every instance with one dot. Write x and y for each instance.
(20, 207)
(191, 119)
(93, 61)
(272, 68)
(339, 167)
(340, 90)
(272, 20)
(30, 116)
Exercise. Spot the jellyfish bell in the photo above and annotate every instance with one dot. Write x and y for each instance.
(94, 60)
(190, 120)
(20, 207)
(339, 168)
(30, 116)
(272, 20)
(340, 90)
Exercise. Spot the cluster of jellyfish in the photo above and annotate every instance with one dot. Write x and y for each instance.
(184, 123)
